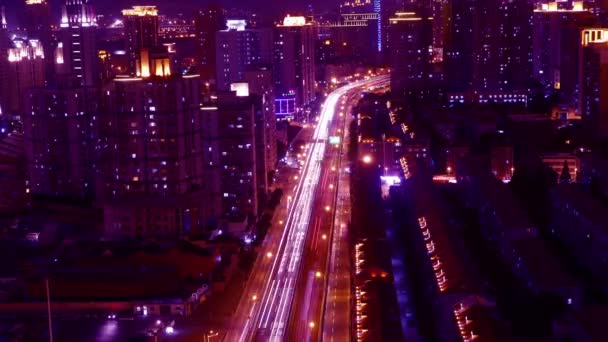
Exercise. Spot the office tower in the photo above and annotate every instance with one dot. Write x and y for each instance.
(239, 49)
(59, 141)
(38, 26)
(26, 70)
(411, 38)
(207, 22)
(150, 173)
(556, 41)
(76, 54)
(593, 81)
(141, 31)
(294, 60)
(237, 153)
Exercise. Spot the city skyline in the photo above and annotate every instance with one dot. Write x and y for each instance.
(113, 8)
(356, 170)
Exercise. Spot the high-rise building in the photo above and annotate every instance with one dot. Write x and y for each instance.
(26, 70)
(150, 177)
(487, 46)
(237, 152)
(58, 128)
(411, 39)
(513, 52)
(261, 88)
(5, 45)
(556, 41)
(141, 31)
(207, 22)
(240, 146)
(294, 60)
(38, 26)
(593, 81)
(352, 39)
(239, 49)
(458, 48)
(76, 56)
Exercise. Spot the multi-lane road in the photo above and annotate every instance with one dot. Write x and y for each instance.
(293, 284)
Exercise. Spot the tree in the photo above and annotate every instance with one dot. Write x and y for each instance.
(565, 177)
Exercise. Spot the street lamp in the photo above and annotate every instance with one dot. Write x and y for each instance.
(367, 159)
(212, 333)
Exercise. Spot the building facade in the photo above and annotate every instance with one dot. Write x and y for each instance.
(294, 60)
(59, 135)
(76, 57)
(141, 31)
(150, 174)
(239, 49)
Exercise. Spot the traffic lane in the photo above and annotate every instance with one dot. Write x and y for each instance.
(285, 296)
(316, 259)
(267, 252)
(277, 293)
(316, 250)
(337, 313)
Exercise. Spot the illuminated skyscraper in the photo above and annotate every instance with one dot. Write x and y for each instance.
(26, 70)
(38, 26)
(150, 174)
(239, 49)
(76, 55)
(487, 45)
(294, 59)
(411, 39)
(141, 31)
(237, 152)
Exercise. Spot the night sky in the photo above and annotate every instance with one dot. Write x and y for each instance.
(278, 7)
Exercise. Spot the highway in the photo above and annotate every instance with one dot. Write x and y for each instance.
(267, 307)
(322, 303)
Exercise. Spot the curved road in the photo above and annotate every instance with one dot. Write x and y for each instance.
(266, 305)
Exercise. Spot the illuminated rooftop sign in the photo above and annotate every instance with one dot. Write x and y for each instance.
(594, 35)
(294, 21)
(242, 89)
(577, 6)
(237, 25)
(140, 11)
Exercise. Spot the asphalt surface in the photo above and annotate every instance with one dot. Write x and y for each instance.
(291, 255)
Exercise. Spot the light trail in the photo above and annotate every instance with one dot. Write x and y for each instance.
(275, 303)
